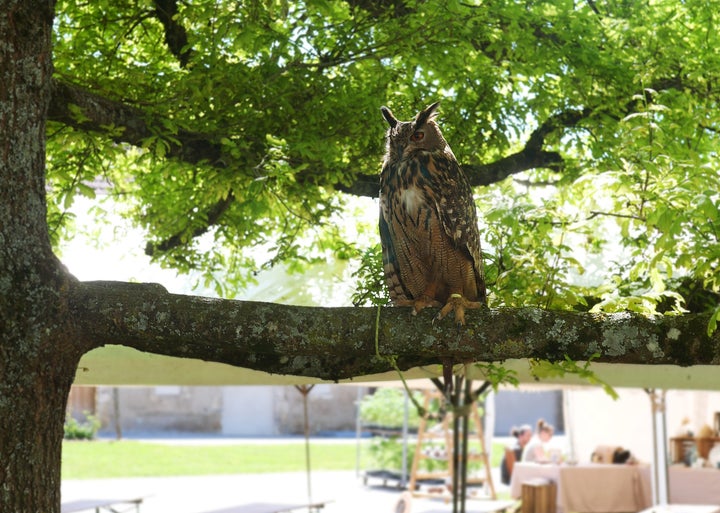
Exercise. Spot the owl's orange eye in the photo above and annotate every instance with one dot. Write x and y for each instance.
(417, 136)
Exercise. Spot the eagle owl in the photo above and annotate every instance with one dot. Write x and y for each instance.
(428, 224)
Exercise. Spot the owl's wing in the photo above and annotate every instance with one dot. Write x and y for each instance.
(391, 267)
(456, 210)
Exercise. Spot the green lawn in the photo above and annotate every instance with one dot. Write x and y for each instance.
(104, 459)
(129, 458)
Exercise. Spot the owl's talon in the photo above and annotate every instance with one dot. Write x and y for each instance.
(457, 303)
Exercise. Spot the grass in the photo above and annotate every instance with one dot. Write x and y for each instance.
(106, 459)
(129, 458)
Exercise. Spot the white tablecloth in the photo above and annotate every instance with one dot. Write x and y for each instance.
(591, 488)
(682, 508)
(694, 485)
(525, 471)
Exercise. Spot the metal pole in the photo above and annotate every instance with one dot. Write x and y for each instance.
(466, 427)
(305, 390)
(660, 467)
(358, 431)
(456, 399)
(116, 412)
(406, 421)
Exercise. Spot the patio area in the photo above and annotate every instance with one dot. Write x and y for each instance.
(344, 489)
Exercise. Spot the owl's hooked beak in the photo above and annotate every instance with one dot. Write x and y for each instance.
(388, 115)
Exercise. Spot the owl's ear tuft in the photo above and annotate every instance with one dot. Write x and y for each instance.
(388, 115)
(425, 115)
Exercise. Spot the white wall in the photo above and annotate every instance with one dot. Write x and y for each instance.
(248, 411)
(596, 419)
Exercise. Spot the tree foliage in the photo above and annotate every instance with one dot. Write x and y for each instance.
(237, 133)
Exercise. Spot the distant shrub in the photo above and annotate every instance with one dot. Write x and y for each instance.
(85, 430)
(386, 407)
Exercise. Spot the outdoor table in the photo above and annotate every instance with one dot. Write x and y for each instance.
(592, 487)
(478, 506)
(694, 485)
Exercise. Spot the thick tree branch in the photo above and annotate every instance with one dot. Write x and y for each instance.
(212, 216)
(394, 8)
(84, 110)
(175, 33)
(532, 156)
(97, 113)
(479, 175)
(337, 343)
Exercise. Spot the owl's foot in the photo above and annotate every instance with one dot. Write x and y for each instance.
(419, 304)
(458, 304)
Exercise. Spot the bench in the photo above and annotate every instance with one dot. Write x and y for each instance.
(110, 505)
(269, 507)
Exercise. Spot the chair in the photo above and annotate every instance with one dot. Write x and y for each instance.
(510, 459)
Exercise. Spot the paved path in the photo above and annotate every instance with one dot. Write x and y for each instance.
(205, 493)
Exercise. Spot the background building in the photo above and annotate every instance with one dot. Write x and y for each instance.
(227, 410)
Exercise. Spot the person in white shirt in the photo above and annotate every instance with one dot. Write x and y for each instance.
(522, 435)
(537, 449)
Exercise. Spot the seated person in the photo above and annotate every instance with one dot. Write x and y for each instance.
(611, 454)
(512, 454)
(536, 450)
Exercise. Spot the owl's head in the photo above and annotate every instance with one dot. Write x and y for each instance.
(405, 137)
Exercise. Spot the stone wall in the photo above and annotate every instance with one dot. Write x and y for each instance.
(232, 411)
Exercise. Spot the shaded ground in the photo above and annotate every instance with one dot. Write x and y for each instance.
(206, 493)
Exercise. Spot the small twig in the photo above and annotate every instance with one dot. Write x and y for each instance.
(596, 213)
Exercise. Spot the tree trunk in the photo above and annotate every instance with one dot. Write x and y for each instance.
(37, 356)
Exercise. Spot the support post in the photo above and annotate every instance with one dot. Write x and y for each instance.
(660, 464)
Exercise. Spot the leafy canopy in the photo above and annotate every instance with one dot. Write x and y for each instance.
(261, 113)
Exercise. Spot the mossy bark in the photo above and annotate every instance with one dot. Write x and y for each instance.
(340, 343)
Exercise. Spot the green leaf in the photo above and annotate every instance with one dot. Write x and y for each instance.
(712, 323)
(544, 369)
